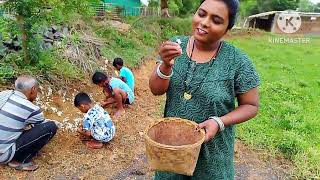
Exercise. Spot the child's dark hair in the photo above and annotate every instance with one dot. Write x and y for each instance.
(117, 61)
(99, 77)
(81, 98)
(233, 6)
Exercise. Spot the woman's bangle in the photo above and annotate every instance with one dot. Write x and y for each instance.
(219, 122)
(161, 75)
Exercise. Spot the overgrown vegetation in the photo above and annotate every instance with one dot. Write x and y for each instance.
(27, 20)
(289, 118)
(141, 40)
(89, 39)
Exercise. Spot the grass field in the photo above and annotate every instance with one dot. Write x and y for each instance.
(289, 118)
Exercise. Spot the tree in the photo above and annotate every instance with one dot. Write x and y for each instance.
(276, 5)
(26, 13)
(188, 6)
(180, 7)
(164, 8)
(305, 6)
(30, 15)
(154, 3)
(316, 8)
(249, 7)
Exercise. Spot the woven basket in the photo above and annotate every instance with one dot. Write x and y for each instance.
(173, 145)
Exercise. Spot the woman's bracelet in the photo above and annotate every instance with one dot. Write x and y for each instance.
(161, 75)
(219, 122)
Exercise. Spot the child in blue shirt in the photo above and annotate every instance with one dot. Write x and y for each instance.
(116, 91)
(126, 74)
(97, 123)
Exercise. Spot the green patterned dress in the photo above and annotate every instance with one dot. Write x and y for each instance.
(214, 86)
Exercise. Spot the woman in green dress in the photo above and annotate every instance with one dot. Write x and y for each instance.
(202, 77)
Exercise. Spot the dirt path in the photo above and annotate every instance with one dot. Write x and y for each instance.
(249, 165)
(123, 158)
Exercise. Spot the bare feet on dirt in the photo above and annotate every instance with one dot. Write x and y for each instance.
(94, 144)
(23, 166)
(119, 113)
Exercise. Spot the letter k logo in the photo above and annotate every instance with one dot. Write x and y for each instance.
(289, 21)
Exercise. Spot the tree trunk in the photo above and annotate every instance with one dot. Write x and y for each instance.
(24, 40)
(164, 8)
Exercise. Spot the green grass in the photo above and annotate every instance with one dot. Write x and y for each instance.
(142, 39)
(289, 117)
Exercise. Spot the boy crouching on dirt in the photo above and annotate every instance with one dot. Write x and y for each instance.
(116, 91)
(96, 122)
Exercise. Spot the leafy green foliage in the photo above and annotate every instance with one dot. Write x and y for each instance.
(31, 15)
(27, 19)
(62, 11)
(154, 3)
(308, 6)
(176, 26)
(7, 72)
(316, 8)
(183, 7)
(249, 7)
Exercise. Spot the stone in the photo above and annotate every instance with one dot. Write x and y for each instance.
(54, 29)
(47, 46)
(48, 40)
(65, 31)
(58, 35)
(49, 35)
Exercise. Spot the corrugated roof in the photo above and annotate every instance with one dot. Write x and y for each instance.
(309, 14)
(264, 14)
(275, 12)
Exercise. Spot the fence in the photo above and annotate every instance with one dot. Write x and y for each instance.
(141, 11)
(103, 8)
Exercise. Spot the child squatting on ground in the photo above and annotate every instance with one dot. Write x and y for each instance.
(116, 91)
(126, 74)
(96, 124)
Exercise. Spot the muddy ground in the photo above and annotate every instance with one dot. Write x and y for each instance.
(66, 157)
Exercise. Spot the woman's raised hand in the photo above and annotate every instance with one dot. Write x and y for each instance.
(168, 51)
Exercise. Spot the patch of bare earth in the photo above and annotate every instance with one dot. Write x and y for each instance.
(66, 157)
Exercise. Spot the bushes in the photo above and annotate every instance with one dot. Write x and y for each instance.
(7, 73)
(173, 27)
(133, 46)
